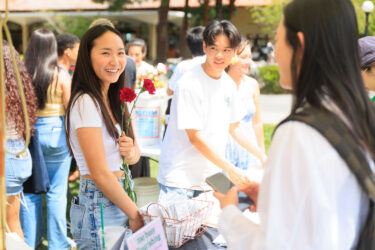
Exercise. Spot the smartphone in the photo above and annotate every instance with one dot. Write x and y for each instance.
(221, 183)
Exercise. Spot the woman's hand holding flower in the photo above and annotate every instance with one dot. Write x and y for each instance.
(126, 146)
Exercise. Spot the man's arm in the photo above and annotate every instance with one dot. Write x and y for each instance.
(198, 142)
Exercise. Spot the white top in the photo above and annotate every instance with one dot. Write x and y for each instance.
(201, 103)
(308, 199)
(145, 68)
(85, 113)
(183, 67)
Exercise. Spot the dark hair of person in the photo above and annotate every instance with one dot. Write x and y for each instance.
(41, 62)
(243, 44)
(137, 42)
(330, 66)
(13, 105)
(65, 41)
(194, 38)
(85, 81)
(224, 27)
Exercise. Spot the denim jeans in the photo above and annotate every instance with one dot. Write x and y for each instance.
(85, 215)
(17, 167)
(166, 191)
(51, 132)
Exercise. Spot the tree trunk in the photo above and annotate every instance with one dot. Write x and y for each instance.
(219, 9)
(162, 28)
(183, 43)
(231, 8)
(206, 12)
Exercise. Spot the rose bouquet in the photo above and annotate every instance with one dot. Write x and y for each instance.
(128, 95)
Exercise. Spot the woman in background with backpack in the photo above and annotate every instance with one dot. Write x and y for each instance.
(310, 197)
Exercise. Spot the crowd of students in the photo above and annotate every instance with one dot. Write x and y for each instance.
(310, 197)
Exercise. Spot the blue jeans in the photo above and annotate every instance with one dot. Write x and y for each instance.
(51, 132)
(189, 193)
(17, 167)
(85, 215)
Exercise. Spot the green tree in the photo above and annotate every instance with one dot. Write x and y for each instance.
(268, 17)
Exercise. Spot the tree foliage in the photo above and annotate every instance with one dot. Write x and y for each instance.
(269, 16)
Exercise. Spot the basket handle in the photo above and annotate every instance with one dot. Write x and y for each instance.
(160, 205)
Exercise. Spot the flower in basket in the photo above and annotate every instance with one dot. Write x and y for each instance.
(128, 95)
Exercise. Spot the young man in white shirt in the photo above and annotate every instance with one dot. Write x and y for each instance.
(204, 109)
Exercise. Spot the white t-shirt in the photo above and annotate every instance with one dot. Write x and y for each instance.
(85, 113)
(183, 67)
(308, 199)
(205, 104)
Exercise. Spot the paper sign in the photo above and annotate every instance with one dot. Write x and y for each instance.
(149, 237)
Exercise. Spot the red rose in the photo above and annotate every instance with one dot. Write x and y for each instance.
(127, 95)
(149, 86)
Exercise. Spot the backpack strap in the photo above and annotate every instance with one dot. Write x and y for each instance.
(342, 139)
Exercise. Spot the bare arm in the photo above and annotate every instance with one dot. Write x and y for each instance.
(198, 142)
(237, 135)
(91, 143)
(257, 120)
(65, 84)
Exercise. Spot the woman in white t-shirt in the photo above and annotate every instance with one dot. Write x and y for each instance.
(93, 128)
(309, 198)
(251, 123)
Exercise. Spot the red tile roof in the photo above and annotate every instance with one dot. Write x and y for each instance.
(65, 5)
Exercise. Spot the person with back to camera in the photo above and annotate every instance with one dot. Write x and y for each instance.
(251, 123)
(205, 108)
(194, 39)
(310, 197)
(93, 127)
(52, 88)
(17, 167)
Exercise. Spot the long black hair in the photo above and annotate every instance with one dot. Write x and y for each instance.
(41, 62)
(330, 65)
(85, 81)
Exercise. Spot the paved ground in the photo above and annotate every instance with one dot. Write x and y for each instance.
(275, 107)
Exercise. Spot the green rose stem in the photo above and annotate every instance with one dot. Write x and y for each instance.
(125, 166)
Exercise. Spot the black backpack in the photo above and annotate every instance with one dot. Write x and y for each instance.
(341, 138)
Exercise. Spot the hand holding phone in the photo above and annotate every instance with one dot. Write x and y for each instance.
(220, 183)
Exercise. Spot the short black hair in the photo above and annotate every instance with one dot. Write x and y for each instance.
(194, 38)
(215, 28)
(65, 41)
(137, 42)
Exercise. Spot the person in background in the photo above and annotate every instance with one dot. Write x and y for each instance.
(309, 198)
(367, 56)
(251, 123)
(18, 167)
(205, 108)
(93, 127)
(67, 51)
(52, 88)
(130, 68)
(137, 50)
(194, 38)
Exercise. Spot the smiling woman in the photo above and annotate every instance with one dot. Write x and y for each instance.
(93, 127)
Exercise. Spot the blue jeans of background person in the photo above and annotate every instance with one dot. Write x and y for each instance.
(85, 215)
(17, 167)
(51, 132)
(174, 191)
